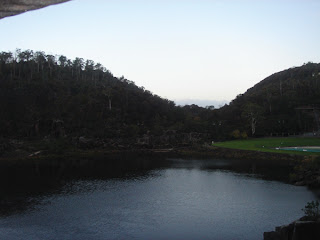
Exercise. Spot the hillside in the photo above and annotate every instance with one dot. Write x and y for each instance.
(44, 96)
(285, 103)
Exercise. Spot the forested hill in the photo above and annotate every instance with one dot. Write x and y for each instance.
(52, 96)
(284, 103)
(45, 96)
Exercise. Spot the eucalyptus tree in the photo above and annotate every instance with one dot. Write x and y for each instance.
(100, 70)
(63, 61)
(89, 67)
(51, 60)
(253, 113)
(25, 56)
(15, 61)
(78, 65)
(40, 59)
(69, 65)
(25, 61)
(5, 58)
(108, 92)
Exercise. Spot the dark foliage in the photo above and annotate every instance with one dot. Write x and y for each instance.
(285, 103)
(39, 92)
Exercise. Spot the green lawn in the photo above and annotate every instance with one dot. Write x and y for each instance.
(270, 144)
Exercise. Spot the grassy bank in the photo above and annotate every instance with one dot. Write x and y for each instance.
(271, 144)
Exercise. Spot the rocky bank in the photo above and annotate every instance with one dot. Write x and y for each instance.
(301, 229)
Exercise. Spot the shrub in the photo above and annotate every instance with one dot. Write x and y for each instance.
(311, 210)
(244, 135)
(236, 134)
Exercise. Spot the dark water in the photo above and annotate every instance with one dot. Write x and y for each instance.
(147, 199)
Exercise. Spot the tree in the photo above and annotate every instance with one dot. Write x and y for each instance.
(78, 65)
(253, 113)
(99, 67)
(40, 59)
(63, 61)
(210, 107)
(26, 55)
(51, 62)
(109, 93)
(89, 67)
(311, 210)
(5, 58)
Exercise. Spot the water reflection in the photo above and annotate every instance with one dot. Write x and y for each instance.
(23, 184)
(146, 198)
(270, 170)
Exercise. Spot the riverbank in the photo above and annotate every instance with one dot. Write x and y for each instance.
(201, 151)
(302, 229)
(61, 161)
(306, 167)
(222, 152)
(285, 145)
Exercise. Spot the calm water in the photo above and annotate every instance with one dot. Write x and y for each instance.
(148, 199)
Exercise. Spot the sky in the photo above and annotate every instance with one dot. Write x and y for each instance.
(189, 51)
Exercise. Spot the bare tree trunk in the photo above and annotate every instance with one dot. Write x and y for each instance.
(270, 107)
(110, 104)
(316, 117)
(253, 125)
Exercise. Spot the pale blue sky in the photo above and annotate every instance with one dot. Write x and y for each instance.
(178, 49)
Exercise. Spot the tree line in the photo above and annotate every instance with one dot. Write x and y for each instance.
(39, 91)
(285, 103)
(36, 88)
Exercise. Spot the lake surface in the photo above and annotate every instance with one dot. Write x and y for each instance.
(148, 199)
(302, 149)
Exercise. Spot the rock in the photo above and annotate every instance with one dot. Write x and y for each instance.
(301, 183)
(271, 236)
(299, 230)
(90, 143)
(49, 128)
(144, 140)
(306, 230)
(35, 154)
(286, 231)
(14, 7)
(85, 143)
(308, 174)
(4, 146)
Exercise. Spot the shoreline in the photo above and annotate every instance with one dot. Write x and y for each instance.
(197, 151)
(79, 158)
(306, 168)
